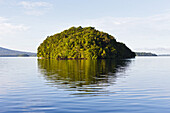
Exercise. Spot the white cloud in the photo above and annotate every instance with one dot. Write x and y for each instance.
(140, 24)
(159, 50)
(2, 19)
(34, 12)
(35, 8)
(31, 5)
(136, 32)
(7, 28)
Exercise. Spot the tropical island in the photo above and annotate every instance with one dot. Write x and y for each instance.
(83, 43)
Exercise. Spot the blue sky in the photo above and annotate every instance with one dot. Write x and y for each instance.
(143, 25)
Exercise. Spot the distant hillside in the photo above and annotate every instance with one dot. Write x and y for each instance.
(12, 53)
(145, 54)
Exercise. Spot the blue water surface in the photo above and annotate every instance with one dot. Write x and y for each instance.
(140, 85)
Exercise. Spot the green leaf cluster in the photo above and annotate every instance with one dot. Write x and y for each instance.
(83, 43)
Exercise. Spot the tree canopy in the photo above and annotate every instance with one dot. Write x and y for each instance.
(83, 43)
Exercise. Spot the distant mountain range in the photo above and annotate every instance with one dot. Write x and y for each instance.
(13, 53)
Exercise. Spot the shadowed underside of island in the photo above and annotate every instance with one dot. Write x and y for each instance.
(83, 43)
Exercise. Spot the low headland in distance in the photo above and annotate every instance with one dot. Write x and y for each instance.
(4, 52)
(149, 54)
(145, 54)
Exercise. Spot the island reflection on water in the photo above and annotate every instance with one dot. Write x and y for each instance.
(82, 77)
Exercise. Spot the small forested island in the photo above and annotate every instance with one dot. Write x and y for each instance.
(145, 54)
(83, 43)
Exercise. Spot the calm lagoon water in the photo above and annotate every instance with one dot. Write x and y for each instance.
(140, 85)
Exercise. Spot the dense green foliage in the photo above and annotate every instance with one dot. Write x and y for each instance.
(80, 43)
